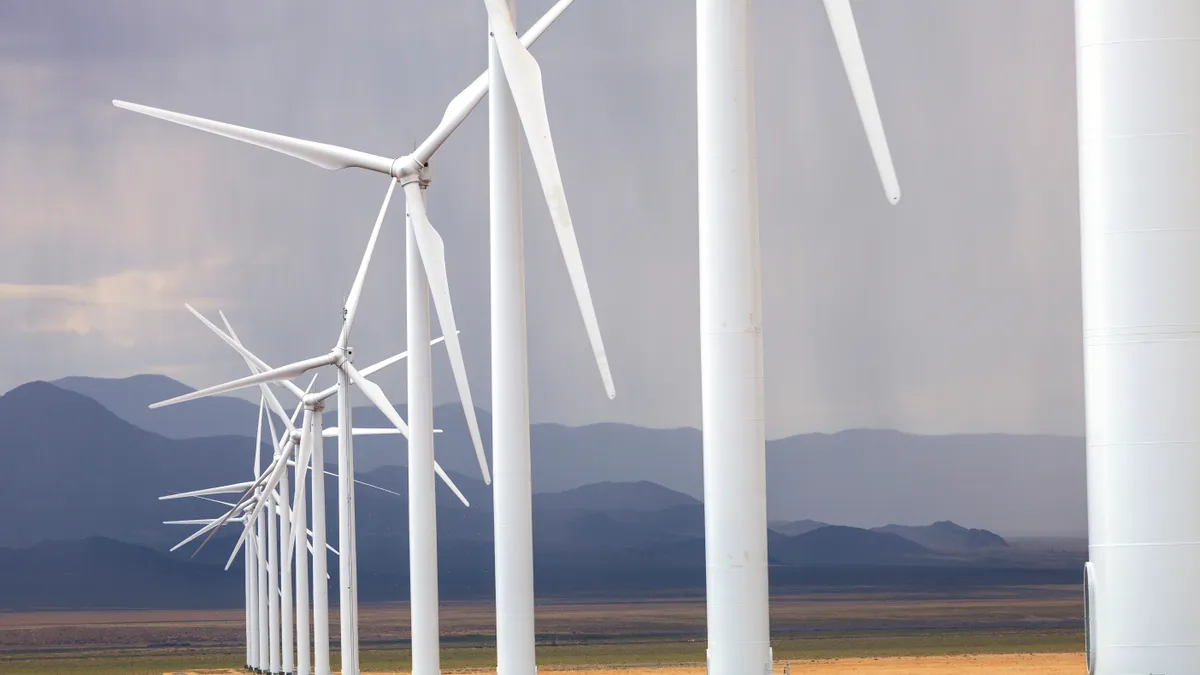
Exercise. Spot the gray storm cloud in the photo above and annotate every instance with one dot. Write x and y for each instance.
(957, 310)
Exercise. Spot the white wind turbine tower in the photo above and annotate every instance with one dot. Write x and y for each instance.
(513, 509)
(517, 100)
(1138, 78)
(340, 357)
(735, 518)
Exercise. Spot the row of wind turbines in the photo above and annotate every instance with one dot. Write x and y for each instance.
(270, 541)
(734, 451)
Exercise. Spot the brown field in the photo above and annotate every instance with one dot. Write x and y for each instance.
(1009, 630)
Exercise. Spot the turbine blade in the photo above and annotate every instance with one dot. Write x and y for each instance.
(196, 521)
(234, 488)
(262, 403)
(525, 79)
(271, 479)
(283, 373)
(376, 367)
(301, 464)
(449, 483)
(237, 547)
(376, 396)
(361, 277)
(841, 19)
(433, 257)
(300, 403)
(365, 484)
(327, 545)
(253, 362)
(461, 106)
(331, 432)
(217, 501)
(207, 528)
(229, 339)
(322, 154)
(279, 467)
(371, 370)
(275, 442)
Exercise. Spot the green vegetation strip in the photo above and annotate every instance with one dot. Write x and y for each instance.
(471, 654)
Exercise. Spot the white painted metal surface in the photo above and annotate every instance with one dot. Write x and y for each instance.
(273, 581)
(347, 587)
(286, 617)
(1139, 155)
(246, 600)
(320, 541)
(422, 506)
(250, 563)
(735, 510)
(512, 489)
(300, 513)
(731, 328)
(264, 615)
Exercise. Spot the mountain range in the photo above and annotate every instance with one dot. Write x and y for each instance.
(1019, 485)
(83, 483)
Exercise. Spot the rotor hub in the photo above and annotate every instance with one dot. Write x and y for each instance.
(407, 170)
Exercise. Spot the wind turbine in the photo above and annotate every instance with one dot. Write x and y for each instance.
(731, 321)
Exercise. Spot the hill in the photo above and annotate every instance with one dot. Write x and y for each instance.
(609, 495)
(129, 398)
(947, 537)
(838, 545)
(795, 527)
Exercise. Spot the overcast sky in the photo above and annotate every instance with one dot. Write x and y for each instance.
(957, 310)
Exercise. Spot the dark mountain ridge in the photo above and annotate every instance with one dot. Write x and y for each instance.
(80, 473)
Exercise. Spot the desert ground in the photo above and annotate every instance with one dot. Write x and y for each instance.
(1007, 630)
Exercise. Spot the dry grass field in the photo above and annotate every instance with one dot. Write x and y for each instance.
(1011, 630)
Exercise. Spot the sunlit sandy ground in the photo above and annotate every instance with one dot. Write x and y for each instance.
(981, 664)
